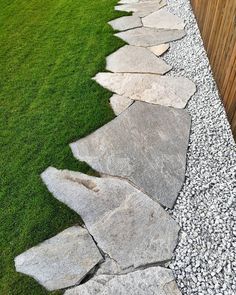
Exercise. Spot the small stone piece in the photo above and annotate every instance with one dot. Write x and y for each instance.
(163, 19)
(159, 49)
(154, 280)
(155, 89)
(132, 59)
(142, 8)
(104, 204)
(146, 144)
(61, 261)
(126, 23)
(128, 1)
(119, 103)
(147, 37)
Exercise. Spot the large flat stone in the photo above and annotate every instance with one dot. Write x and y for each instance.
(150, 281)
(142, 8)
(155, 89)
(132, 59)
(147, 37)
(163, 19)
(146, 144)
(120, 103)
(61, 261)
(126, 224)
(125, 23)
(159, 49)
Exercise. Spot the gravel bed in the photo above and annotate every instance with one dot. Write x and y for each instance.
(205, 258)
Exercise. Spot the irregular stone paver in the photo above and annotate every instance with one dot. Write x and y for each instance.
(61, 261)
(146, 144)
(120, 103)
(132, 59)
(114, 212)
(125, 23)
(142, 8)
(159, 49)
(147, 37)
(155, 89)
(163, 19)
(154, 280)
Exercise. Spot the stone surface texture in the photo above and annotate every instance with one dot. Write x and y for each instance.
(163, 19)
(61, 261)
(146, 144)
(147, 37)
(104, 204)
(155, 89)
(159, 49)
(132, 59)
(154, 280)
(142, 8)
(125, 23)
(120, 103)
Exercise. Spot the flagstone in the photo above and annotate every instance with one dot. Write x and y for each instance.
(146, 144)
(125, 23)
(62, 261)
(155, 89)
(153, 280)
(114, 211)
(133, 59)
(159, 49)
(120, 103)
(147, 37)
(142, 8)
(163, 19)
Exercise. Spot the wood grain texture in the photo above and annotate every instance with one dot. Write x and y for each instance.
(217, 23)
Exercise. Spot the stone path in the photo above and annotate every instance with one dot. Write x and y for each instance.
(129, 238)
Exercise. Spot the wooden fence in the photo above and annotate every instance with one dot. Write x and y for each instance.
(217, 23)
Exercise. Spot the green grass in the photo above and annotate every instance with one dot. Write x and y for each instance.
(49, 50)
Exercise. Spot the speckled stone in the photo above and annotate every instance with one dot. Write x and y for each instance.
(61, 261)
(155, 89)
(104, 204)
(133, 59)
(125, 23)
(147, 37)
(146, 144)
(154, 280)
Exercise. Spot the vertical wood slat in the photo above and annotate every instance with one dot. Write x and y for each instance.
(217, 23)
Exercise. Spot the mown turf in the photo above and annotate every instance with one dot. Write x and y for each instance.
(49, 50)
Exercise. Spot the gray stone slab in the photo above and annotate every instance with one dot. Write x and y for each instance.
(147, 37)
(120, 103)
(155, 89)
(142, 8)
(133, 59)
(61, 261)
(163, 19)
(146, 144)
(154, 280)
(125, 23)
(159, 49)
(114, 212)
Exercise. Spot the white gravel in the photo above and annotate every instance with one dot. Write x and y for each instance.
(205, 258)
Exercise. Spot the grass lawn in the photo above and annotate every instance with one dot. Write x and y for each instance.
(49, 50)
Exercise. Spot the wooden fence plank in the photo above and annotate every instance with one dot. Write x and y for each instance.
(217, 23)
